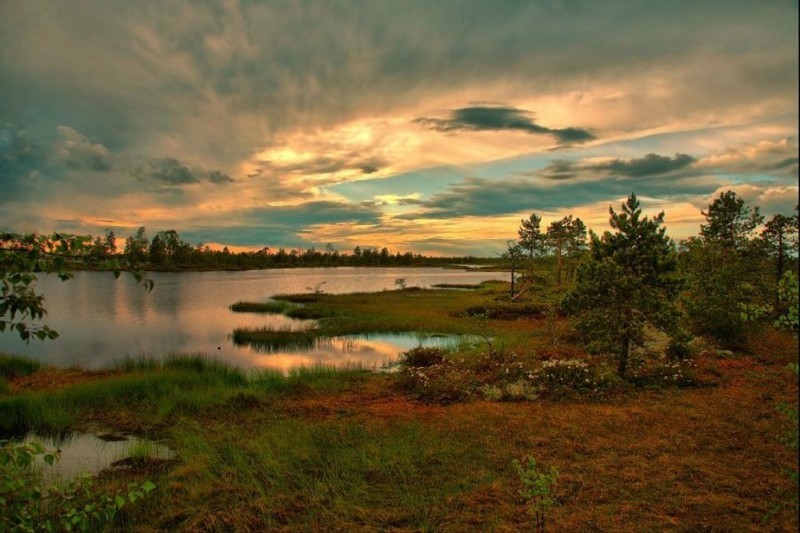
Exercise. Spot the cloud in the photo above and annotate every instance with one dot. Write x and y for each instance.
(170, 171)
(191, 95)
(649, 165)
(324, 164)
(30, 162)
(279, 225)
(499, 118)
(774, 158)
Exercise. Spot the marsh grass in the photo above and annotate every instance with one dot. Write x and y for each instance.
(270, 339)
(319, 449)
(12, 366)
(324, 475)
(157, 390)
(400, 311)
(268, 307)
(462, 286)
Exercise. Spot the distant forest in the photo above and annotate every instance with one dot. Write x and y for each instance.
(167, 250)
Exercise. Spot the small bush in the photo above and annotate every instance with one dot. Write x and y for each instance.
(664, 374)
(422, 356)
(516, 391)
(558, 378)
(538, 490)
(433, 378)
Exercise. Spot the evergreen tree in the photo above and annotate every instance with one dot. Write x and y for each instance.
(567, 239)
(729, 221)
(780, 240)
(531, 238)
(724, 268)
(628, 282)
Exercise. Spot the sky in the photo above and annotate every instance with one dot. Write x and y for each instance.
(430, 127)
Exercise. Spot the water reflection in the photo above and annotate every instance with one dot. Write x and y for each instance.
(101, 319)
(373, 351)
(81, 453)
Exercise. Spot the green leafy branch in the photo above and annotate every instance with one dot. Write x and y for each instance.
(27, 506)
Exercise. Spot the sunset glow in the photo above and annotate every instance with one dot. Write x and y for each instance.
(431, 127)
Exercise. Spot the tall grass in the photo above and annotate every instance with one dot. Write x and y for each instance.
(270, 339)
(158, 389)
(325, 475)
(12, 366)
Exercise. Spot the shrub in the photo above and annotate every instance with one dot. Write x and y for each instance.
(423, 356)
(433, 378)
(665, 373)
(538, 490)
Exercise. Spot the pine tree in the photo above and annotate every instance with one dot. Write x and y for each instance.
(628, 282)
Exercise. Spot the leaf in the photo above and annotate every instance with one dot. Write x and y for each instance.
(119, 501)
(49, 458)
(148, 486)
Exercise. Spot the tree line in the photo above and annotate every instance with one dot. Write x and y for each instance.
(167, 250)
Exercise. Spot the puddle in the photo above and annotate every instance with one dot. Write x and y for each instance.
(82, 453)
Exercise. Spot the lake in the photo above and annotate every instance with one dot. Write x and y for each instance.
(101, 319)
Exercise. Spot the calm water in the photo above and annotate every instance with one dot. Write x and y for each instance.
(101, 319)
(82, 453)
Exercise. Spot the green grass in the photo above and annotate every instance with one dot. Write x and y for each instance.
(320, 449)
(465, 286)
(271, 339)
(401, 311)
(326, 475)
(268, 307)
(12, 366)
(158, 390)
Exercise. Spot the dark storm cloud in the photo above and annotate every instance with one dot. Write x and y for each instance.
(170, 171)
(499, 118)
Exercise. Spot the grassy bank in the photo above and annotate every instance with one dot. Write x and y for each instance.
(400, 311)
(325, 450)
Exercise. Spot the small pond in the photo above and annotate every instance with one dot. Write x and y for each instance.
(370, 351)
(87, 454)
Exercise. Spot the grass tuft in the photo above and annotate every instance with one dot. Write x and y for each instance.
(12, 366)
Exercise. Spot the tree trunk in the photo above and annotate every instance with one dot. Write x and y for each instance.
(623, 356)
(558, 266)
